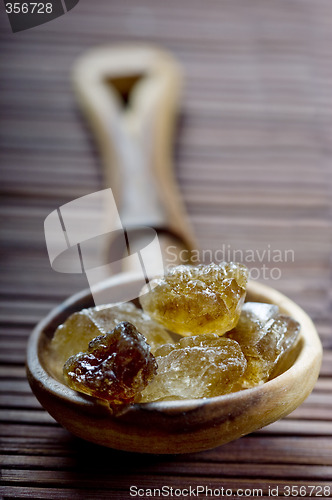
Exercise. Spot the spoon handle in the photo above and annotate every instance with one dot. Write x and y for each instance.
(130, 95)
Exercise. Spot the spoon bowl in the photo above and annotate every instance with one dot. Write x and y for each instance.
(173, 426)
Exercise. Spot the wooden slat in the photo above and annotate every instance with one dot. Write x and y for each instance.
(24, 462)
(52, 478)
(46, 466)
(77, 494)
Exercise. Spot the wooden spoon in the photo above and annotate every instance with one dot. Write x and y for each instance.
(129, 94)
(136, 137)
(173, 426)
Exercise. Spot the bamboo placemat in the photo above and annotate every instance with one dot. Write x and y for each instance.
(253, 160)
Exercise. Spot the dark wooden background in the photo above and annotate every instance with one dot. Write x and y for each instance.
(253, 159)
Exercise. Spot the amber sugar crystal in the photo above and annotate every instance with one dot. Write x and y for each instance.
(197, 300)
(196, 367)
(80, 328)
(116, 367)
(265, 337)
(228, 345)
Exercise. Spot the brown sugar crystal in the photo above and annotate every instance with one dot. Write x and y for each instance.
(197, 300)
(74, 335)
(266, 337)
(196, 367)
(116, 367)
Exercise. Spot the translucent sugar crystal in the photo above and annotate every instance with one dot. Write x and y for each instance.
(81, 327)
(196, 300)
(196, 367)
(265, 337)
(116, 367)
